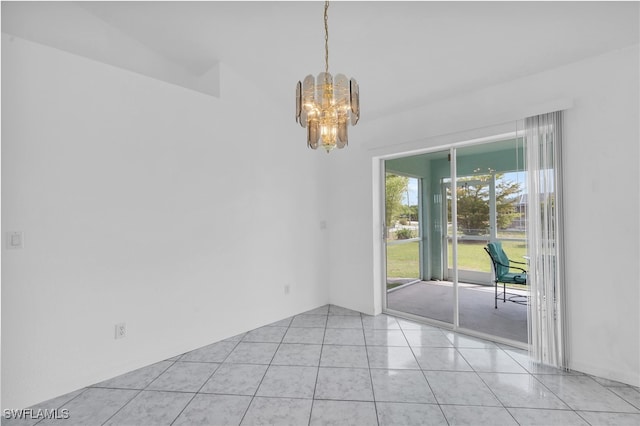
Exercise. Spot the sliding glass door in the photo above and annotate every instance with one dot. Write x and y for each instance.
(490, 190)
(429, 294)
(456, 283)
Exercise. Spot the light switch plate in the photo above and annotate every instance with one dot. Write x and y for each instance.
(15, 240)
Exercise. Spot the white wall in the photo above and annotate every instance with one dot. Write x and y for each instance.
(601, 179)
(181, 214)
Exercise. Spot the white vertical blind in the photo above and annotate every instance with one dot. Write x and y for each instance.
(547, 313)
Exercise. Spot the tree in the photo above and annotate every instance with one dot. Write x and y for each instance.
(473, 208)
(395, 187)
(410, 212)
(507, 194)
(473, 203)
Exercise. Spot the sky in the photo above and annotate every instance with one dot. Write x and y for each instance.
(412, 193)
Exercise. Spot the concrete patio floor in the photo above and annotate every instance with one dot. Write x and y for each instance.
(434, 299)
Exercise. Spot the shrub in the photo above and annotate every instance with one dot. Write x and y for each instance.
(405, 234)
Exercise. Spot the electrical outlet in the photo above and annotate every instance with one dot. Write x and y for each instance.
(287, 289)
(121, 330)
(15, 240)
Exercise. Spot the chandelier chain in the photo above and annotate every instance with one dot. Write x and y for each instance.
(326, 37)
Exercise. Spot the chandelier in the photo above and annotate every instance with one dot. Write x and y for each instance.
(325, 105)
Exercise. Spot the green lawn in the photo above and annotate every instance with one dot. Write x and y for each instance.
(403, 262)
(472, 257)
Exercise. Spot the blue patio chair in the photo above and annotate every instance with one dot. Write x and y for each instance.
(504, 272)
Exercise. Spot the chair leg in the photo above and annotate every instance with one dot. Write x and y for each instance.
(504, 292)
(495, 299)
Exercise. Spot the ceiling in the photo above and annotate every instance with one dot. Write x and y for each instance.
(403, 54)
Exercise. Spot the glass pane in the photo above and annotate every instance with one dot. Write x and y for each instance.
(341, 92)
(313, 134)
(473, 222)
(415, 240)
(324, 89)
(298, 101)
(308, 96)
(489, 198)
(403, 254)
(511, 201)
(355, 102)
(342, 140)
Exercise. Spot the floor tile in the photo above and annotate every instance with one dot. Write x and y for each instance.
(432, 338)
(460, 387)
(401, 386)
(235, 379)
(411, 325)
(137, 379)
(278, 411)
(151, 408)
(391, 357)
(322, 310)
(252, 353)
(393, 414)
(282, 323)
(184, 377)
(380, 322)
(629, 394)
(60, 400)
(344, 336)
(444, 359)
(384, 337)
(522, 358)
(337, 310)
(533, 417)
(610, 419)
(343, 413)
(584, 393)
(309, 321)
(269, 334)
(236, 338)
(521, 390)
(304, 335)
(219, 410)
(94, 406)
(288, 382)
(344, 321)
(461, 341)
(352, 384)
(297, 354)
(477, 416)
(51, 404)
(216, 352)
(344, 356)
(7, 420)
(329, 365)
(608, 383)
(490, 360)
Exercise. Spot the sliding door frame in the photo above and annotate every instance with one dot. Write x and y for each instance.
(380, 272)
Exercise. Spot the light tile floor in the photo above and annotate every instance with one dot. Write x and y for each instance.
(333, 366)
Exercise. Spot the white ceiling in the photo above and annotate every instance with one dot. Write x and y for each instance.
(403, 54)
